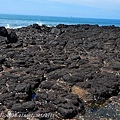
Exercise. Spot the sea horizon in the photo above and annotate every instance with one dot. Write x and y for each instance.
(18, 21)
(61, 16)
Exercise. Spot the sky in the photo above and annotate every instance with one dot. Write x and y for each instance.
(64, 8)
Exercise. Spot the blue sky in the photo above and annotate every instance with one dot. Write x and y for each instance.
(65, 8)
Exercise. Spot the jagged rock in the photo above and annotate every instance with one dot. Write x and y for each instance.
(3, 32)
(56, 69)
(116, 67)
(67, 113)
(36, 26)
(1, 68)
(23, 88)
(20, 63)
(6, 97)
(25, 107)
(2, 60)
(12, 37)
(56, 31)
(61, 26)
(3, 40)
(46, 85)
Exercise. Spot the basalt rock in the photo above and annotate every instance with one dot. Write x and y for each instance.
(58, 70)
(1, 69)
(3, 40)
(3, 32)
(116, 67)
(25, 107)
(2, 60)
(36, 26)
(56, 31)
(12, 37)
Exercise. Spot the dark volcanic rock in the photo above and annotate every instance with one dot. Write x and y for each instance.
(67, 113)
(23, 88)
(6, 97)
(61, 26)
(116, 67)
(1, 69)
(3, 32)
(36, 26)
(67, 106)
(56, 31)
(56, 69)
(2, 60)
(3, 40)
(25, 107)
(12, 37)
(46, 85)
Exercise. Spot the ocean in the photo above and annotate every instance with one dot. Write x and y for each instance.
(17, 21)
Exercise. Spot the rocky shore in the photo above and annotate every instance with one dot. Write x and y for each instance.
(58, 72)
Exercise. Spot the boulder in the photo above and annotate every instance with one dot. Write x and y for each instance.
(69, 112)
(46, 85)
(3, 40)
(56, 31)
(2, 60)
(23, 88)
(12, 37)
(1, 69)
(3, 32)
(36, 26)
(116, 67)
(61, 26)
(25, 107)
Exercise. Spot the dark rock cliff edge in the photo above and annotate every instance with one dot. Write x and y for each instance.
(58, 70)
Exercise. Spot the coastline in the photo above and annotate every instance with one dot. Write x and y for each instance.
(59, 70)
(18, 21)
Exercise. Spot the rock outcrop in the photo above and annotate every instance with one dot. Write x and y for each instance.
(58, 70)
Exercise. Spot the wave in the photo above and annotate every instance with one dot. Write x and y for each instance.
(7, 26)
(18, 21)
(20, 26)
(11, 27)
(39, 23)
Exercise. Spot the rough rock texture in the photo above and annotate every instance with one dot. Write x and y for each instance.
(57, 71)
(3, 32)
(12, 37)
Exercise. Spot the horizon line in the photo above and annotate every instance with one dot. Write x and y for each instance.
(60, 16)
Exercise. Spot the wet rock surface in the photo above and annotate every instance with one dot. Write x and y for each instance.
(56, 71)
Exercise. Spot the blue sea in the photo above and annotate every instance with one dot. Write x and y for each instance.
(17, 21)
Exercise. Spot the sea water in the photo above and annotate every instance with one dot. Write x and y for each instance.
(17, 21)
